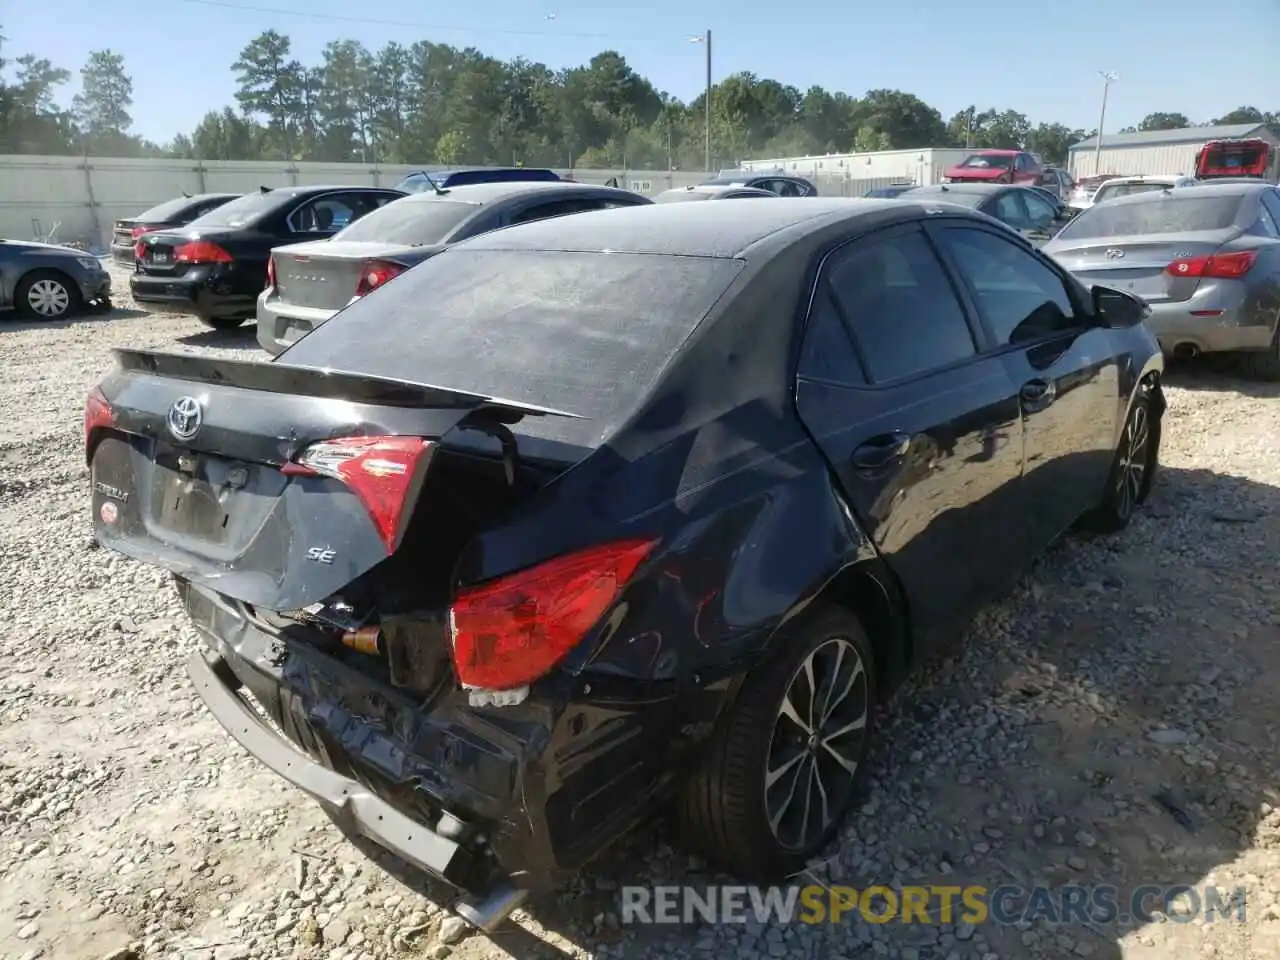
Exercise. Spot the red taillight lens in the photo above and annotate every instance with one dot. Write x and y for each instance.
(139, 250)
(136, 232)
(271, 272)
(382, 471)
(98, 414)
(1219, 266)
(375, 273)
(201, 251)
(510, 632)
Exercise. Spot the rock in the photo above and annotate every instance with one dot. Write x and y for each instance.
(336, 931)
(1077, 863)
(231, 951)
(27, 930)
(453, 929)
(1167, 738)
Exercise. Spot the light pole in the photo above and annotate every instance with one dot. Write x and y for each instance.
(1108, 77)
(706, 39)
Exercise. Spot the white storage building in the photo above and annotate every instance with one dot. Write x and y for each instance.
(1156, 152)
(922, 166)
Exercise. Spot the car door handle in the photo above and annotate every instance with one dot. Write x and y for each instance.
(1037, 394)
(880, 452)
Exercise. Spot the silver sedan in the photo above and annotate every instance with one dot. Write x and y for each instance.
(1207, 260)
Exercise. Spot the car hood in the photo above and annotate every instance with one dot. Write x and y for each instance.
(33, 246)
(958, 172)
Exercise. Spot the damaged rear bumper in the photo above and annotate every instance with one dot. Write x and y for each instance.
(445, 789)
(352, 805)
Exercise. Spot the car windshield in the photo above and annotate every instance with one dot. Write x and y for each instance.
(414, 183)
(988, 161)
(410, 221)
(241, 211)
(1159, 213)
(587, 333)
(962, 197)
(1109, 191)
(167, 210)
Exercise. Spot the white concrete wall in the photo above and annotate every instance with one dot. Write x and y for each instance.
(1158, 160)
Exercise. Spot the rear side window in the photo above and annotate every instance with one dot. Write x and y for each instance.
(899, 305)
(1162, 213)
(587, 333)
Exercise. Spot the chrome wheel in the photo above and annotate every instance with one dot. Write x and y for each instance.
(48, 298)
(817, 743)
(1133, 461)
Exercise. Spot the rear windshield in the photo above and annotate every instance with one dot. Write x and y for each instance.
(410, 222)
(1109, 191)
(242, 211)
(1162, 213)
(587, 333)
(987, 161)
(168, 210)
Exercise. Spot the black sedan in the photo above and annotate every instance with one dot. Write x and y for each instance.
(216, 266)
(591, 512)
(779, 184)
(1031, 213)
(711, 192)
(307, 283)
(163, 216)
(43, 281)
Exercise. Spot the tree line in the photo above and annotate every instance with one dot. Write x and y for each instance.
(433, 103)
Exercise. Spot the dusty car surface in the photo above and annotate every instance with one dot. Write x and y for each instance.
(595, 511)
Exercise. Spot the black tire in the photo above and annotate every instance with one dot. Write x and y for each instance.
(224, 323)
(1132, 471)
(1263, 364)
(727, 812)
(46, 295)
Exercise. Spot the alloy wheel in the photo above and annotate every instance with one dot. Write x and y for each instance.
(817, 743)
(1133, 461)
(48, 298)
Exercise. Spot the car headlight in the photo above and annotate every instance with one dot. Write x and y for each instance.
(90, 264)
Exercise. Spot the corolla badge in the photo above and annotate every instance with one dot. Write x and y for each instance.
(1114, 253)
(185, 418)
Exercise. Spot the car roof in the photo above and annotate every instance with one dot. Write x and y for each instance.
(682, 229)
(480, 193)
(325, 188)
(962, 187)
(1236, 190)
(995, 152)
(1152, 178)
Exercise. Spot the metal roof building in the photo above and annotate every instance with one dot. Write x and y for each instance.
(1155, 151)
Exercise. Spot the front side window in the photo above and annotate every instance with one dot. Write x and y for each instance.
(1020, 297)
(900, 306)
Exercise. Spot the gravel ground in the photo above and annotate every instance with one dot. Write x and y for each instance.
(1113, 721)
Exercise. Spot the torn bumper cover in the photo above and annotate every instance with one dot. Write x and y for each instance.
(418, 781)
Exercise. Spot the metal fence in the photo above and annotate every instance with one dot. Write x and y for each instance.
(76, 199)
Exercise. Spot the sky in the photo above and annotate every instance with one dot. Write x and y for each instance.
(1040, 58)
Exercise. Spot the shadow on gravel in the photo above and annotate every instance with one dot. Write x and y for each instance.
(10, 322)
(1217, 373)
(1113, 724)
(239, 338)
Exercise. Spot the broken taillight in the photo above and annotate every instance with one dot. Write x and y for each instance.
(511, 631)
(98, 415)
(383, 472)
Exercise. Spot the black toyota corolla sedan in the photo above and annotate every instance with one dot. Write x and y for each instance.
(600, 510)
(216, 265)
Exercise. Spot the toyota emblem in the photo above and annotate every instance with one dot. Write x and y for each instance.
(1114, 253)
(185, 418)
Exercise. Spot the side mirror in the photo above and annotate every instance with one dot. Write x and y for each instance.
(1117, 309)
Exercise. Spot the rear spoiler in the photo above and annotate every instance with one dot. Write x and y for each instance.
(276, 377)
